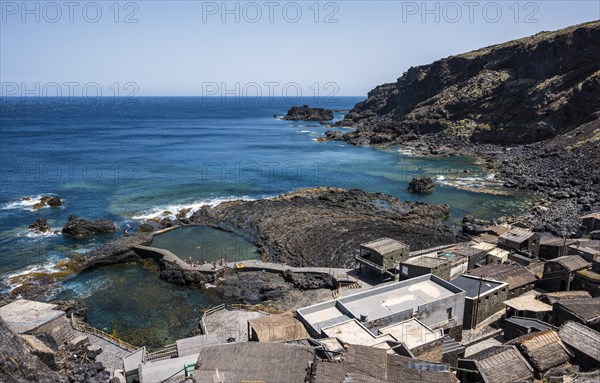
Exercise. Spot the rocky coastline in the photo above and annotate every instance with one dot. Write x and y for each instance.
(527, 109)
(305, 113)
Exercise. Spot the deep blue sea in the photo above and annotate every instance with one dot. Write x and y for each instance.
(126, 161)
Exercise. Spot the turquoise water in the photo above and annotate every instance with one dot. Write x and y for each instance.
(205, 244)
(133, 303)
(132, 161)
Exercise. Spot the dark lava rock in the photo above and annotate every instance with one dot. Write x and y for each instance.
(115, 250)
(334, 135)
(304, 113)
(421, 185)
(310, 281)
(41, 225)
(290, 228)
(80, 228)
(17, 364)
(54, 201)
(148, 227)
(255, 287)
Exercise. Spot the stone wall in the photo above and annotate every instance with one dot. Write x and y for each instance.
(488, 305)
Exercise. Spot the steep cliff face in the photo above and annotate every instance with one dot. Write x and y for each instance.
(518, 92)
(17, 365)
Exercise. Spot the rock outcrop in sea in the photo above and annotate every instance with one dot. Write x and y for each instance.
(421, 185)
(305, 113)
(79, 228)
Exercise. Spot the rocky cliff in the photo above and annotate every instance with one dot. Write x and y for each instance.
(519, 92)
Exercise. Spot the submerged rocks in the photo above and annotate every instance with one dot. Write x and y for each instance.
(421, 185)
(52, 201)
(41, 225)
(304, 113)
(79, 228)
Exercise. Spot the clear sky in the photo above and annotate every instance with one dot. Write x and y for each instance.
(202, 47)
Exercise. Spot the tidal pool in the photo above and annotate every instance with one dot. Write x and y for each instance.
(201, 243)
(131, 302)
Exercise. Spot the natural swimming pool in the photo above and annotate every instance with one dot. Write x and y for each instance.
(201, 243)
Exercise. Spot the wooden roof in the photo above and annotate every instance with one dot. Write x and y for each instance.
(363, 364)
(278, 328)
(503, 364)
(543, 349)
(581, 338)
(571, 262)
(254, 361)
(515, 275)
(586, 309)
(385, 245)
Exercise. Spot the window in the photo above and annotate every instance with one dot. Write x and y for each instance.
(449, 311)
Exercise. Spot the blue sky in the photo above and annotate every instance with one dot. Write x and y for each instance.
(197, 47)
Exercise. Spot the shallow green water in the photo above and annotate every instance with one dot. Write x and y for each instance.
(200, 243)
(133, 303)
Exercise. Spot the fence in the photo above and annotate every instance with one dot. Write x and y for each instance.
(83, 327)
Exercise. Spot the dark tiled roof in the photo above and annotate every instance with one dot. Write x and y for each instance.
(472, 286)
(363, 364)
(503, 364)
(581, 338)
(586, 309)
(554, 297)
(571, 262)
(543, 349)
(515, 275)
(530, 323)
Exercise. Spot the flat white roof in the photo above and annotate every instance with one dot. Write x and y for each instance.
(379, 303)
(353, 332)
(412, 333)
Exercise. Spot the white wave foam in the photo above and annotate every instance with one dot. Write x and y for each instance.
(25, 203)
(34, 234)
(160, 211)
(305, 131)
(48, 267)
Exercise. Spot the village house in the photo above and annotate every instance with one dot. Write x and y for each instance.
(520, 280)
(559, 273)
(483, 298)
(382, 257)
(588, 280)
(276, 328)
(552, 247)
(515, 327)
(588, 250)
(552, 298)
(585, 343)
(582, 310)
(416, 340)
(366, 364)
(543, 350)
(447, 262)
(527, 306)
(430, 299)
(590, 222)
(499, 364)
(521, 240)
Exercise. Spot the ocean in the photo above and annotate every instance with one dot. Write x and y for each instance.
(133, 160)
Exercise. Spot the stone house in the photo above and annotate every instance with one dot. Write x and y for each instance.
(527, 306)
(590, 222)
(559, 273)
(483, 298)
(543, 350)
(499, 364)
(422, 265)
(382, 256)
(521, 240)
(520, 280)
(515, 327)
(584, 341)
(582, 310)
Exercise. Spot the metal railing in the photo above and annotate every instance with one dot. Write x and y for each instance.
(84, 327)
(167, 352)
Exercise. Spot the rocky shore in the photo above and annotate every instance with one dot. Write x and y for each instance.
(528, 109)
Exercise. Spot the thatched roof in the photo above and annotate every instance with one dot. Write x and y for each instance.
(363, 364)
(543, 349)
(254, 361)
(278, 328)
(503, 364)
(581, 338)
